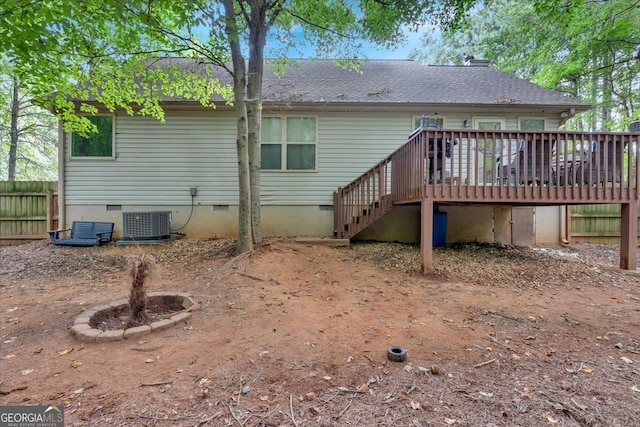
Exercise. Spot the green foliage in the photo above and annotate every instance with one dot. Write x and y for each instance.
(36, 153)
(584, 48)
(103, 54)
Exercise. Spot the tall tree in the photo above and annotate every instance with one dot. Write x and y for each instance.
(104, 43)
(27, 133)
(588, 49)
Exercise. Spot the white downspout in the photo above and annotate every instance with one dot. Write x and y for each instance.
(564, 225)
(62, 217)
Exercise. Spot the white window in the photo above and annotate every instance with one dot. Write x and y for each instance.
(531, 124)
(488, 123)
(431, 121)
(100, 144)
(288, 143)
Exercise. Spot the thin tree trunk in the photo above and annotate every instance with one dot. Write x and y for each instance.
(15, 112)
(239, 86)
(257, 39)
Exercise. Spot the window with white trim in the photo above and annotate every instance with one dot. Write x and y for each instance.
(531, 124)
(100, 144)
(488, 123)
(288, 143)
(437, 121)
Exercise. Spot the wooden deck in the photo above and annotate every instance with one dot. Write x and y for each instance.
(514, 168)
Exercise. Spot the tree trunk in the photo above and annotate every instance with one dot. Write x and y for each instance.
(245, 243)
(258, 29)
(15, 112)
(607, 93)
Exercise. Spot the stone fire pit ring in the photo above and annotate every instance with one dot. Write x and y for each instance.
(84, 331)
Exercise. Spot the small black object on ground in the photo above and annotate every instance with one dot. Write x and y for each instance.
(396, 353)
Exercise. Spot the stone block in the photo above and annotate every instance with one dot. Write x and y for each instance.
(79, 327)
(182, 316)
(138, 331)
(82, 319)
(107, 336)
(88, 335)
(162, 324)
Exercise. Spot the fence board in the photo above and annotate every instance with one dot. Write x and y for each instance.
(596, 223)
(28, 209)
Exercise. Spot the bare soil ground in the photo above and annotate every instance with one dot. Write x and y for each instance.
(297, 335)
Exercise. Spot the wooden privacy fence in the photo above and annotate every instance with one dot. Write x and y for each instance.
(28, 209)
(596, 223)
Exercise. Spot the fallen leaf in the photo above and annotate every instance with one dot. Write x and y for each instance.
(263, 398)
(26, 371)
(550, 419)
(449, 421)
(587, 370)
(485, 394)
(9, 356)
(532, 318)
(327, 377)
(204, 381)
(626, 359)
(525, 394)
(149, 360)
(246, 389)
(67, 351)
(78, 391)
(165, 388)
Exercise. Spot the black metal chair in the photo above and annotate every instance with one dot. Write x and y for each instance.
(604, 163)
(533, 162)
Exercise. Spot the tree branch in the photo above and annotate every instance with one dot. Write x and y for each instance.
(314, 25)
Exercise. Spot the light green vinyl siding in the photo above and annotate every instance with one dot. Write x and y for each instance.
(157, 163)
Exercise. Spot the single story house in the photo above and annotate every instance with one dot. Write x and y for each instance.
(323, 126)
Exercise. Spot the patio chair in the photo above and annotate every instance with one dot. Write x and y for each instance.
(533, 162)
(84, 233)
(604, 163)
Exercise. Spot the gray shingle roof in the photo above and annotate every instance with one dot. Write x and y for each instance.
(397, 81)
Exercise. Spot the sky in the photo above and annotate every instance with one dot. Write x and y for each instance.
(370, 51)
(399, 52)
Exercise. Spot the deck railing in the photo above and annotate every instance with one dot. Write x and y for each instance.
(493, 166)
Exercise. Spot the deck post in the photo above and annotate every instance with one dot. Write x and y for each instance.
(426, 236)
(629, 236)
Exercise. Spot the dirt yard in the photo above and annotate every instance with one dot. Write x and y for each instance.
(297, 335)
